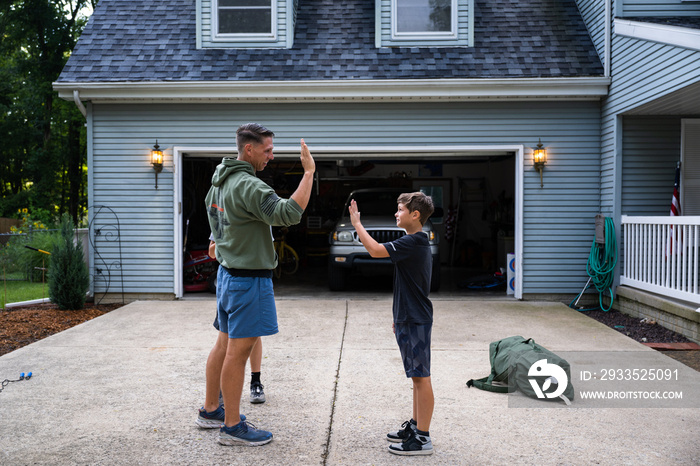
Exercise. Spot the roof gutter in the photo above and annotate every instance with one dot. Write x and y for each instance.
(580, 88)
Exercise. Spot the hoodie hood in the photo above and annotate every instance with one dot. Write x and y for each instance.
(228, 166)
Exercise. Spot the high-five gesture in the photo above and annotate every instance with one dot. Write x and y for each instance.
(303, 192)
(306, 160)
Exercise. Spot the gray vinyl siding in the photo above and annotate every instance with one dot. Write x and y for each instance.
(465, 28)
(285, 32)
(558, 219)
(593, 14)
(631, 8)
(642, 71)
(651, 146)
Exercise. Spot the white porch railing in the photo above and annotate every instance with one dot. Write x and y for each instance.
(660, 254)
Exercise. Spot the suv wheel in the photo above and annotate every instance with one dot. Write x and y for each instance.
(337, 278)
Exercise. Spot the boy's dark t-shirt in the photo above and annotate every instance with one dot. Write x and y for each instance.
(413, 265)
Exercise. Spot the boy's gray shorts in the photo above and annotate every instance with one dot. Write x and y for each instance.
(414, 344)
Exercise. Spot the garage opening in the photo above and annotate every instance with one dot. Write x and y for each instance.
(474, 194)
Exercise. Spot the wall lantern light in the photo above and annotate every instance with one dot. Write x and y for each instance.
(157, 160)
(539, 159)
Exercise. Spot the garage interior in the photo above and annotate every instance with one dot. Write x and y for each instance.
(475, 192)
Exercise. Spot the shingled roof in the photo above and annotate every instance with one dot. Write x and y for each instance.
(155, 40)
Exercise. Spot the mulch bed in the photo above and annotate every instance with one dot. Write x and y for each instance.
(641, 330)
(20, 326)
(648, 332)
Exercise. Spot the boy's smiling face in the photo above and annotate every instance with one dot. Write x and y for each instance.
(407, 220)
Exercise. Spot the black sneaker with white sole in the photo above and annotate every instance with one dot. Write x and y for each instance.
(415, 445)
(257, 395)
(400, 435)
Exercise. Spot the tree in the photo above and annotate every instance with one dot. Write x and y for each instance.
(43, 156)
(69, 280)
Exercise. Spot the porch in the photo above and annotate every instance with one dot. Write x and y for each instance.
(660, 271)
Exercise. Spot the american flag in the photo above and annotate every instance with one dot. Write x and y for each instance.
(674, 237)
(676, 201)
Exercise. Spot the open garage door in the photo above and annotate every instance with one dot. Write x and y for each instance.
(476, 189)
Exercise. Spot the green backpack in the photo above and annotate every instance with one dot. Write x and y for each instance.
(520, 364)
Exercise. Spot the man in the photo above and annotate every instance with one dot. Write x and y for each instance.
(242, 209)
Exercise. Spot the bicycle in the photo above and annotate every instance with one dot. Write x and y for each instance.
(287, 257)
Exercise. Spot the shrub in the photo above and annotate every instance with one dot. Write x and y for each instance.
(68, 275)
(17, 258)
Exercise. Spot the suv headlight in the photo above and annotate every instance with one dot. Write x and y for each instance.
(431, 235)
(343, 236)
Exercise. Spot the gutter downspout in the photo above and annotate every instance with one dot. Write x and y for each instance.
(78, 103)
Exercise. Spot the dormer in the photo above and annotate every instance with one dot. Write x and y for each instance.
(246, 23)
(424, 23)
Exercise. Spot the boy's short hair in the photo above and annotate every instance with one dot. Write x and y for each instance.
(418, 201)
(251, 132)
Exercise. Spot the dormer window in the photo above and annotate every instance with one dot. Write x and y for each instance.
(246, 23)
(424, 23)
(424, 18)
(248, 17)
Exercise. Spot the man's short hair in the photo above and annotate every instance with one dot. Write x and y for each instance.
(251, 132)
(418, 201)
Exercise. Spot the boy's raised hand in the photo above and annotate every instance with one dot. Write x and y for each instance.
(354, 213)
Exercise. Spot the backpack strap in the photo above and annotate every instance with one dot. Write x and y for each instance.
(485, 384)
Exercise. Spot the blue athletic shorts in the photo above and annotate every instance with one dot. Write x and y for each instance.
(414, 344)
(245, 305)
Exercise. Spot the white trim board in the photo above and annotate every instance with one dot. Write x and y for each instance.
(390, 90)
(334, 152)
(664, 34)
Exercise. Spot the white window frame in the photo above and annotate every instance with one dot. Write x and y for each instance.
(396, 35)
(243, 37)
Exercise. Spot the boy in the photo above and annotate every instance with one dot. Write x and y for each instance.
(413, 312)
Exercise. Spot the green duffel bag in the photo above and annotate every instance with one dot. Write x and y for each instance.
(521, 364)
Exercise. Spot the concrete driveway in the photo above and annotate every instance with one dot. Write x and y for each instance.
(124, 388)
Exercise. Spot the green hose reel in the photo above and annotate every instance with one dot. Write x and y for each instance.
(601, 261)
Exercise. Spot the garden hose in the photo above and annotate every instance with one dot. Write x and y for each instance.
(601, 266)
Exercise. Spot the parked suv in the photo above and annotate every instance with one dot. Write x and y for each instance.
(377, 207)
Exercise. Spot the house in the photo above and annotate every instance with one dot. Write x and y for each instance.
(452, 96)
(649, 123)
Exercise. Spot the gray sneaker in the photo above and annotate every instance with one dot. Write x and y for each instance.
(416, 444)
(244, 433)
(407, 428)
(257, 395)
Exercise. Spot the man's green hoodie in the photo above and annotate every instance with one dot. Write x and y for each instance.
(242, 208)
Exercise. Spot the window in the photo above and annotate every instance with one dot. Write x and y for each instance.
(425, 18)
(248, 17)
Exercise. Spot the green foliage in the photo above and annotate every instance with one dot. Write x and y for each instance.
(68, 275)
(43, 155)
(15, 257)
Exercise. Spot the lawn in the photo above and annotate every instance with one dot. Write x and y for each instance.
(16, 291)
